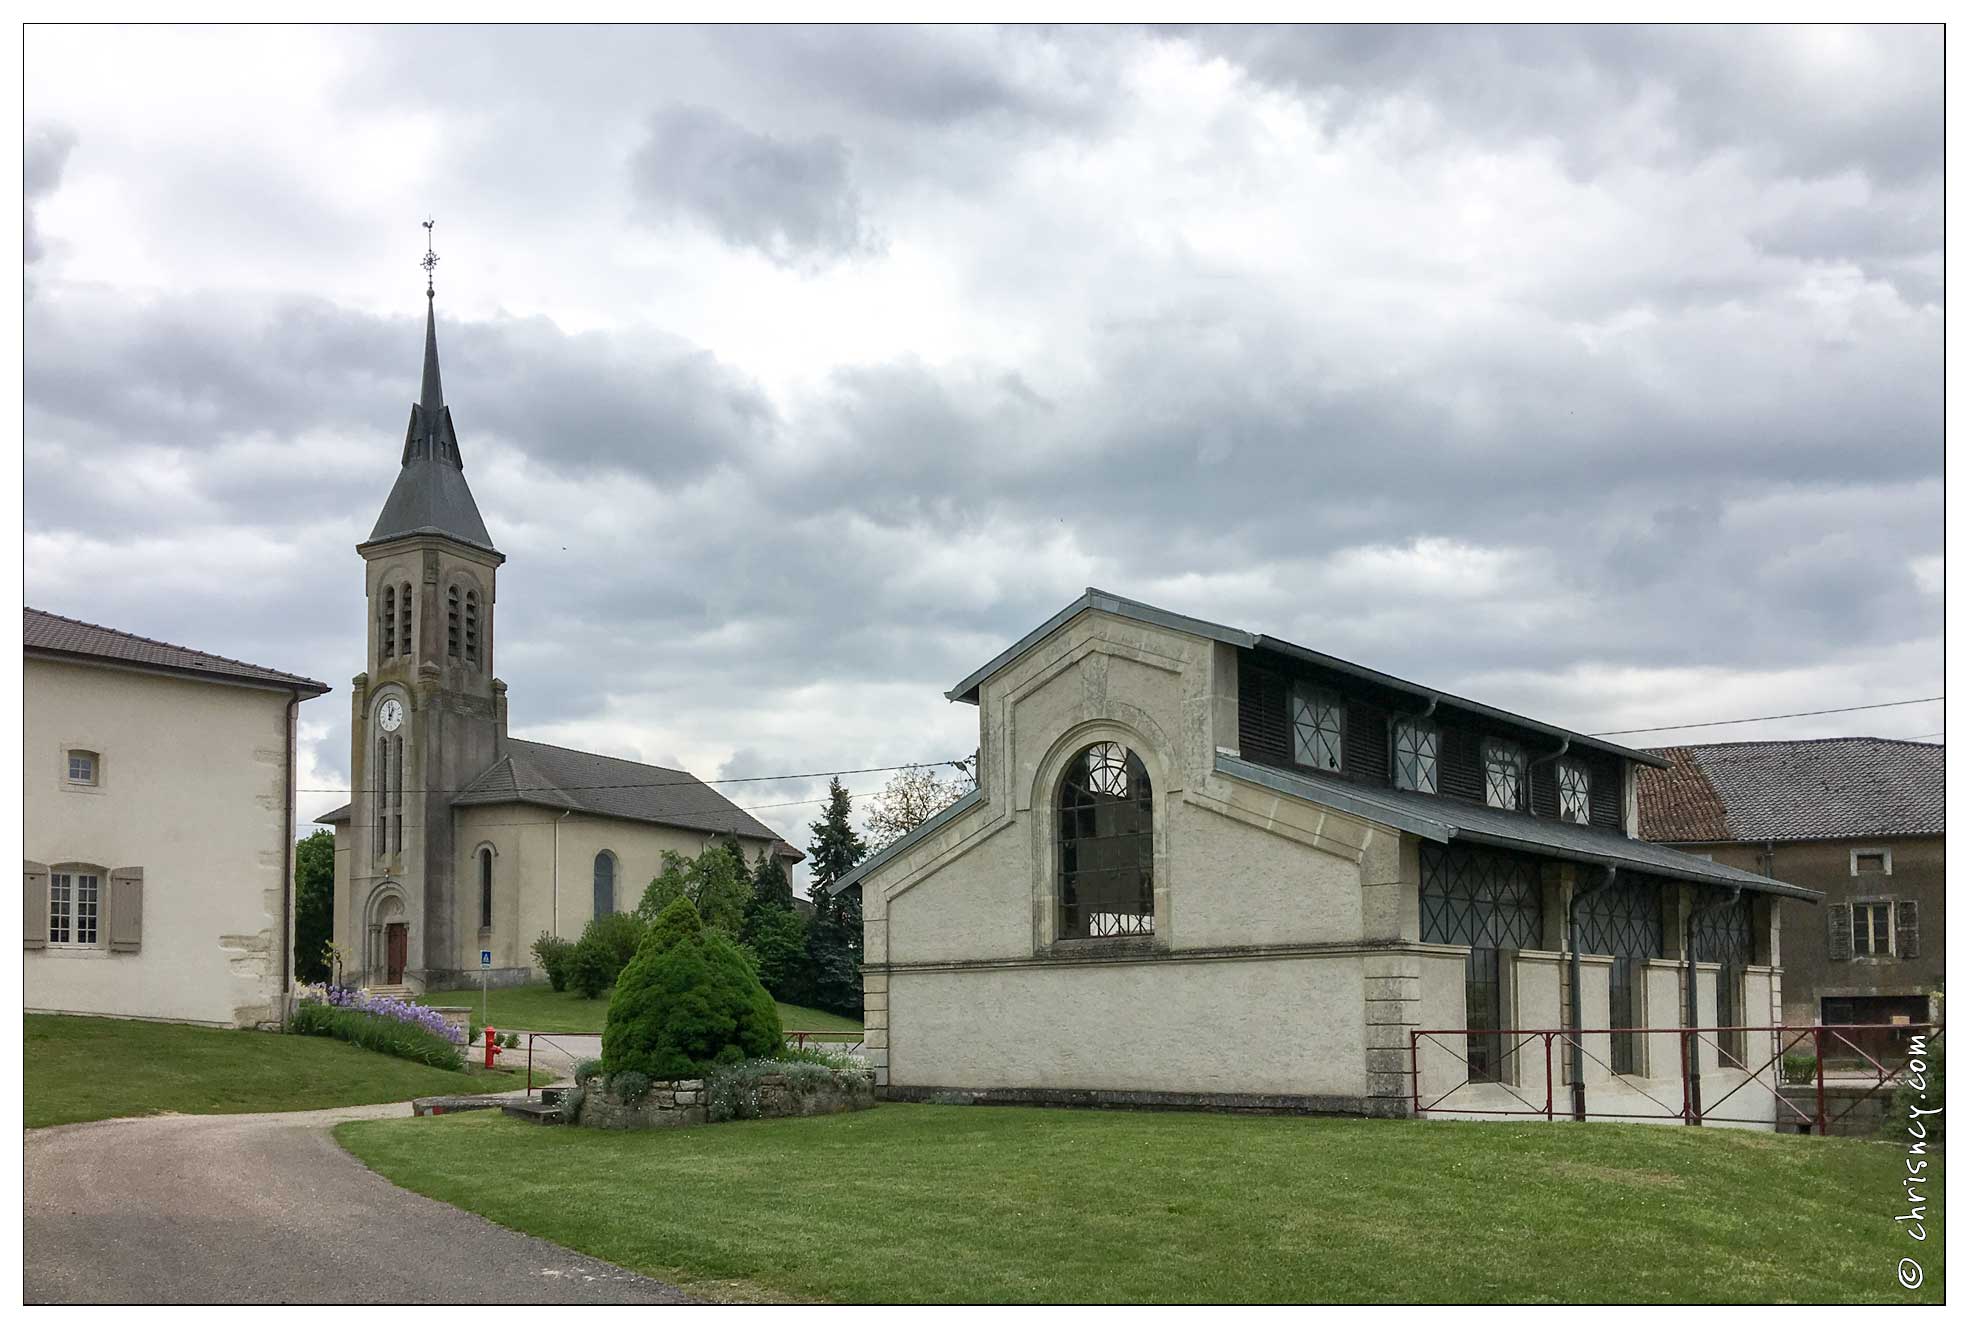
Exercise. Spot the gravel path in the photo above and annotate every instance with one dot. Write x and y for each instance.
(265, 1207)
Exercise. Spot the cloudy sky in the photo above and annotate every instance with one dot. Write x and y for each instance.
(1596, 373)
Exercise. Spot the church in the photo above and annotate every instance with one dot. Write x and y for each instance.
(462, 840)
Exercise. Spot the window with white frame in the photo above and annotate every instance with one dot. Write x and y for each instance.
(74, 906)
(1575, 793)
(1504, 774)
(1417, 743)
(1319, 728)
(83, 766)
(1872, 863)
(1873, 927)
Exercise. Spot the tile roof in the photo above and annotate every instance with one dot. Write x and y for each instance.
(52, 634)
(556, 777)
(1809, 789)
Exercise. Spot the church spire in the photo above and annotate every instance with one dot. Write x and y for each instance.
(431, 496)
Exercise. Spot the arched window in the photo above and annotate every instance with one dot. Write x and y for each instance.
(471, 627)
(388, 623)
(604, 883)
(404, 638)
(451, 622)
(485, 887)
(1107, 845)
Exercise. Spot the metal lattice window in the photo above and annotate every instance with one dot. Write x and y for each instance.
(1319, 728)
(1575, 793)
(1107, 845)
(1723, 937)
(1623, 920)
(1483, 1003)
(1504, 774)
(1417, 744)
(1480, 897)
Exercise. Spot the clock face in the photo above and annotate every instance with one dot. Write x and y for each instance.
(390, 716)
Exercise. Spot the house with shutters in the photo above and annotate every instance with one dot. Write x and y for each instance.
(1859, 819)
(1208, 866)
(158, 819)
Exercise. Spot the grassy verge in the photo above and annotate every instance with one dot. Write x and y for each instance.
(939, 1204)
(537, 1008)
(84, 1069)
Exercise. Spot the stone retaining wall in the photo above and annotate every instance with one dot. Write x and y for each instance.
(687, 1102)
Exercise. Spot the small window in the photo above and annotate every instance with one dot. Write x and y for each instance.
(1873, 928)
(404, 639)
(1575, 793)
(451, 624)
(74, 907)
(1504, 774)
(81, 766)
(388, 622)
(604, 883)
(485, 888)
(471, 627)
(1416, 745)
(1319, 728)
(1873, 863)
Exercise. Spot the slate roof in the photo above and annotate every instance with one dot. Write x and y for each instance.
(53, 635)
(1795, 789)
(430, 496)
(555, 777)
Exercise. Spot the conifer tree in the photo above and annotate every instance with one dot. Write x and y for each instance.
(834, 937)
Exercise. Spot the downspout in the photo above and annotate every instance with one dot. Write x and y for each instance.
(1531, 805)
(557, 868)
(1694, 1054)
(1573, 1022)
(289, 861)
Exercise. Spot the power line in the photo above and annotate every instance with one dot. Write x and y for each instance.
(664, 784)
(1752, 719)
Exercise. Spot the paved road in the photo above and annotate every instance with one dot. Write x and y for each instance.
(267, 1208)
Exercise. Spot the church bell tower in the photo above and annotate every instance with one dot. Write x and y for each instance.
(427, 716)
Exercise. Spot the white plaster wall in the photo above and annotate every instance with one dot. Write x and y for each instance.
(1706, 1015)
(1441, 1059)
(1595, 998)
(1280, 1026)
(194, 791)
(1758, 986)
(981, 909)
(1244, 887)
(1662, 993)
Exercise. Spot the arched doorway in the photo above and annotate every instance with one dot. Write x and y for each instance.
(387, 950)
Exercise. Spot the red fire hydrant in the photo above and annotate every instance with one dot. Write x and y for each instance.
(491, 1043)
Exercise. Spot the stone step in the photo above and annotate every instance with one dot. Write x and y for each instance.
(441, 1104)
(540, 1114)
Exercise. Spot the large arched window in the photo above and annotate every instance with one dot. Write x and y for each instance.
(604, 883)
(1107, 845)
(485, 887)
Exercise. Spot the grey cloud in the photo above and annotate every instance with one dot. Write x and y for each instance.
(44, 155)
(792, 200)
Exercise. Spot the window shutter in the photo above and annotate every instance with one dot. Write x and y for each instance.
(1839, 931)
(34, 922)
(126, 909)
(1907, 930)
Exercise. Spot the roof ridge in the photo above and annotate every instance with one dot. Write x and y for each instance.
(603, 756)
(158, 641)
(1798, 742)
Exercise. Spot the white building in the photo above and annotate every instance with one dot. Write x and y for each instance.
(158, 792)
(1206, 866)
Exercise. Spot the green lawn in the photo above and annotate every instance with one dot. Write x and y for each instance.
(84, 1069)
(537, 1008)
(912, 1203)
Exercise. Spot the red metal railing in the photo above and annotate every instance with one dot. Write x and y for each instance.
(1690, 1039)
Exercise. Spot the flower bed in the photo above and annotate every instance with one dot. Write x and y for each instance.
(380, 1024)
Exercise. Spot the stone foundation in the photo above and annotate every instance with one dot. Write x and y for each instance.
(668, 1103)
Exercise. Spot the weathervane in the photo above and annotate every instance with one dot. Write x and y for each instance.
(430, 261)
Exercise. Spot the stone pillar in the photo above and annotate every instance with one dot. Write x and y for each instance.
(875, 984)
(1391, 980)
